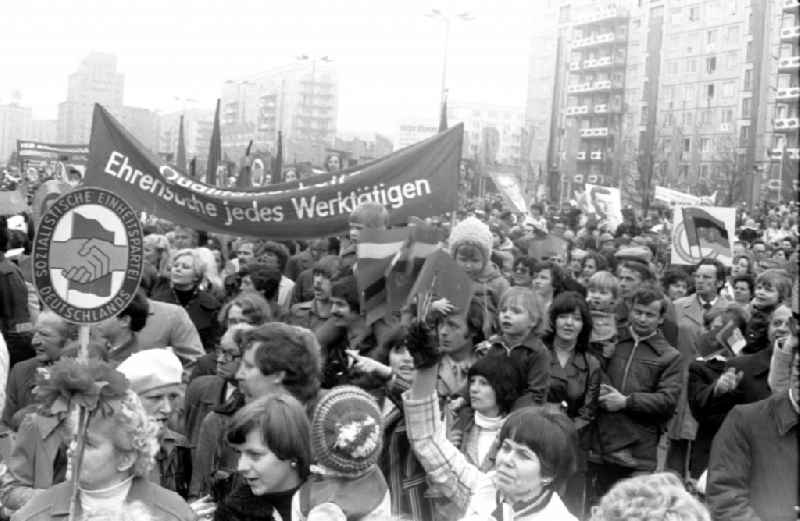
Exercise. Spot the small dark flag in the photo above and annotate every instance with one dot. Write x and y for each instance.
(180, 161)
(443, 115)
(214, 151)
(277, 164)
(193, 168)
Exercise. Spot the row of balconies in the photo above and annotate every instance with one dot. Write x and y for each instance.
(593, 179)
(601, 15)
(598, 39)
(787, 93)
(583, 155)
(787, 124)
(594, 132)
(588, 86)
(786, 63)
(600, 108)
(791, 5)
(790, 33)
(605, 61)
(777, 153)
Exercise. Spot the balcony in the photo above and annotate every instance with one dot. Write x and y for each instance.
(597, 132)
(581, 156)
(602, 15)
(575, 65)
(788, 94)
(598, 39)
(775, 153)
(791, 5)
(786, 124)
(602, 63)
(577, 110)
(579, 88)
(788, 63)
(793, 153)
(789, 34)
(596, 156)
(580, 43)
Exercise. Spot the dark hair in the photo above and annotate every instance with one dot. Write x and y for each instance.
(502, 375)
(293, 350)
(328, 266)
(747, 279)
(347, 289)
(639, 267)
(647, 294)
(527, 262)
(275, 248)
(721, 270)
(138, 309)
(265, 279)
(566, 303)
(283, 425)
(556, 274)
(478, 310)
(550, 435)
(674, 275)
(600, 262)
(749, 261)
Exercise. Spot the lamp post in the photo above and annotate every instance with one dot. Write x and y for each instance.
(446, 19)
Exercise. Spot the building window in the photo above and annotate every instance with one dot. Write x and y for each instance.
(705, 145)
(691, 65)
(688, 93)
(744, 135)
(733, 33)
(749, 54)
(704, 171)
(746, 104)
(672, 67)
(733, 57)
(727, 89)
(727, 115)
(684, 171)
(687, 144)
(711, 36)
(707, 117)
(694, 13)
(748, 79)
(710, 91)
(688, 118)
(711, 64)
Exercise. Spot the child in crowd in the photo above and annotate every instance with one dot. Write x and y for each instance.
(521, 325)
(602, 293)
(471, 246)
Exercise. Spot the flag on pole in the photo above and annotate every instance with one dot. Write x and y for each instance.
(214, 151)
(277, 165)
(423, 240)
(705, 231)
(193, 168)
(376, 250)
(180, 161)
(441, 277)
(443, 115)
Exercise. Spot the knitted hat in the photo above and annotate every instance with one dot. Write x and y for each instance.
(474, 232)
(346, 432)
(150, 369)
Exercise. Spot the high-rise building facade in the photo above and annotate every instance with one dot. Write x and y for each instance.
(784, 151)
(493, 129)
(197, 127)
(143, 123)
(15, 123)
(95, 81)
(300, 99)
(672, 92)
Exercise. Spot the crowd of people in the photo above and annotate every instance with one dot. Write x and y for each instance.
(594, 381)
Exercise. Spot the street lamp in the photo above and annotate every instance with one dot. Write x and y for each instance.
(436, 13)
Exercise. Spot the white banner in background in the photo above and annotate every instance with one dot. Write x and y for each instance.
(605, 202)
(509, 187)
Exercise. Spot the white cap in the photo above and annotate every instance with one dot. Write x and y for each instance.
(17, 222)
(150, 369)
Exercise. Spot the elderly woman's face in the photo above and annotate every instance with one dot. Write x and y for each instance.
(103, 464)
(183, 272)
(48, 340)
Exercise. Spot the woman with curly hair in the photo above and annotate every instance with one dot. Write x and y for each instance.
(120, 444)
(650, 497)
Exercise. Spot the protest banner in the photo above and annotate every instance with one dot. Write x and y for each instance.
(58, 158)
(420, 180)
(675, 197)
(603, 202)
(700, 232)
(508, 184)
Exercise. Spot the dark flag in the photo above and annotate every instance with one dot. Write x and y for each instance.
(277, 164)
(443, 115)
(214, 151)
(180, 161)
(244, 180)
(703, 230)
(193, 168)
(441, 277)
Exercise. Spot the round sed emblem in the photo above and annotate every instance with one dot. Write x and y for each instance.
(87, 255)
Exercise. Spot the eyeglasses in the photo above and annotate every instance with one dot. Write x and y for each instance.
(227, 356)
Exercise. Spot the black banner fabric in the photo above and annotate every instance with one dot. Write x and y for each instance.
(420, 180)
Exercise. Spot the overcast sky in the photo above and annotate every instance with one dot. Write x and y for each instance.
(388, 53)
